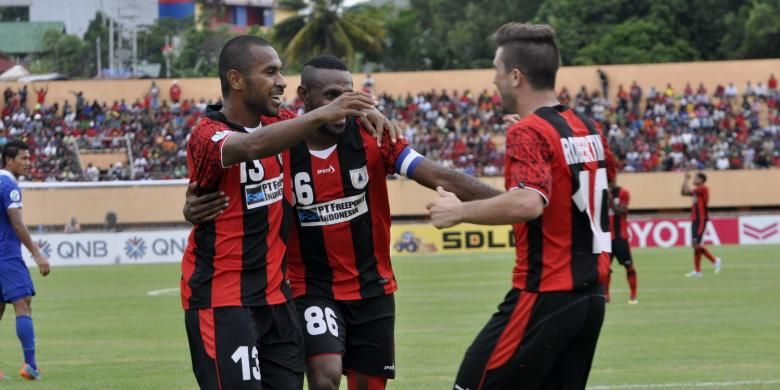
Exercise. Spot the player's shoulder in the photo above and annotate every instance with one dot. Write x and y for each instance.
(282, 115)
(209, 129)
(7, 181)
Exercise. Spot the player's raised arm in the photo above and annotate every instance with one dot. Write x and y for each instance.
(465, 187)
(15, 216)
(686, 188)
(275, 138)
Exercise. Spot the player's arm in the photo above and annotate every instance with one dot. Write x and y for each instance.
(508, 208)
(15, 216)
(205, 208)
(465, 187)
(686, 188)
(621, 204)
(277, 137)
(529, 169)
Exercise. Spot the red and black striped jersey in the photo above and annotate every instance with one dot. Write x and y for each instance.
(618, 224)
(699, 212)
(237, 259)
(341, 247)
(565, 158)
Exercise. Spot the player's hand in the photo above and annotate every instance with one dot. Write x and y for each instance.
(510, 119)
(445, 211)
(355, 103)
(43, 263)
(687, 175)
(200, 209)
(376, 123)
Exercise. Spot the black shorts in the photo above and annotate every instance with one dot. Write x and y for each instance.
(536, 340)
(697, 232)
(361, 331)
(622, 250)
(246, 347)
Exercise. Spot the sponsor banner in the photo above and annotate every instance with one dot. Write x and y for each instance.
(164, 246)
(759, 229)
(667, 233)
(422, 238)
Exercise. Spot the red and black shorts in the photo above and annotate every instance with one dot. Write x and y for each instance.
(246, 347)
(362, 331)
(536, 340)
(622, 250)
(697, 230)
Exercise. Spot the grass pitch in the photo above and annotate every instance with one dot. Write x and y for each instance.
(98, 327)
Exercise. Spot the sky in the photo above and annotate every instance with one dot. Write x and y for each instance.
(349, 3)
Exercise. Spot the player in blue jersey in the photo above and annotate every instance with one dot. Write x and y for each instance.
(15, 283)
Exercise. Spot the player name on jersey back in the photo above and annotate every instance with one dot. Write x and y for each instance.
(585, 149)
(334, 211)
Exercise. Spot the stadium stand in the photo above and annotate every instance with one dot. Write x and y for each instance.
(649, 130)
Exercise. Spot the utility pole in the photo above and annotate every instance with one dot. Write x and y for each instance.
(99, 65)
(111, 44)
(168, 58)
(135, 51)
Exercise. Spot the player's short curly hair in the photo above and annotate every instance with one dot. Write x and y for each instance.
(320, 62)
(530, 48)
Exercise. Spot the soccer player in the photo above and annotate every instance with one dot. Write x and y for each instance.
(618, 226)
(700, 216)
(558, 163)
(339, 256)
(242, 326)
(15, 282)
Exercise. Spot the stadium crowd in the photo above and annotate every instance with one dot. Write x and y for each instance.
(652, 130)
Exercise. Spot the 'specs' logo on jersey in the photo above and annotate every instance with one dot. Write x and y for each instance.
(44, 247)
(359, 177)
(135, 248)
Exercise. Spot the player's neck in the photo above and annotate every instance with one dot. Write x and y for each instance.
(535, 100)
(240, 114)
(321, 140)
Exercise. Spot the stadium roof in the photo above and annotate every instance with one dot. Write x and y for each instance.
(25, 37)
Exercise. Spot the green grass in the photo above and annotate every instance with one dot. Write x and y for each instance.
(97, 328)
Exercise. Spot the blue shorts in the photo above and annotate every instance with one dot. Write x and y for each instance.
(15, 281)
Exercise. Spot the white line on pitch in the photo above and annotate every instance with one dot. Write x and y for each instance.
(164, 291)
(685, 385)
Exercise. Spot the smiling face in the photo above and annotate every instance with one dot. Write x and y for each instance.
(263, 84)
(326, 86)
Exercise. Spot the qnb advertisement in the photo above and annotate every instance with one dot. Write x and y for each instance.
(163, 246)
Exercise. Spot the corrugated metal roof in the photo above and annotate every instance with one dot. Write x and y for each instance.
(25, 37)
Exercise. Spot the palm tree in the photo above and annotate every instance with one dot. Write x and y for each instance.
(324, 27)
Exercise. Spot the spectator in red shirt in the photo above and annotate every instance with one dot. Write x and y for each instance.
(41, 94)
(175, 92)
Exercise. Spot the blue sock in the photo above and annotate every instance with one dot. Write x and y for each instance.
(26, 334)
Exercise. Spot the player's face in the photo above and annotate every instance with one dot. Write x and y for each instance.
(329, 84)
(503, 82)
(697, 181)
(20, 164)
(264, 82)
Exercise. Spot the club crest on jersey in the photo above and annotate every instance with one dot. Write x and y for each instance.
(15, 196)
(218, 136)
(359, 177)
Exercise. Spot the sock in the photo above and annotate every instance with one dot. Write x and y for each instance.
(355, 380)
(631, 276)
(26, 334)
(707, 253)
(697, 260)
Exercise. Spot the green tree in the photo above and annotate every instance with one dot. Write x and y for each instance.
(199, 55)
(324, 27)
(63, 53)
(762, 30)
(636, 41)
